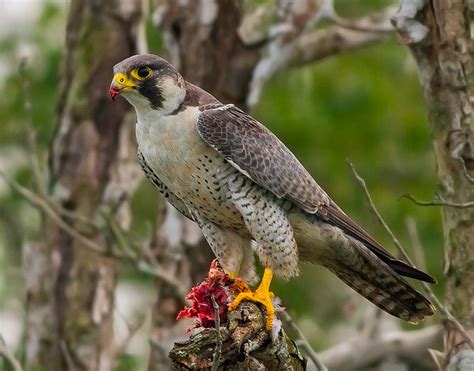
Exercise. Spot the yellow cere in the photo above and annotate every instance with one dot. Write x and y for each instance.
(121, 79)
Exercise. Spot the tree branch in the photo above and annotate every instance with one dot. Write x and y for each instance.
(8, 356)
(302, 341)
(309, 46)
(363, 352)
(38, 178)
(415, 241)
(218, 349)
(447, 315)
(438, 201)
(365, 24)
(142, 265)
(245, 345)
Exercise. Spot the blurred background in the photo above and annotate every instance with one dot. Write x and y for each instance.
(365, 105)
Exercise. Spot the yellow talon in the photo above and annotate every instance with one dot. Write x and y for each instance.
(233, 275)
(261, 295)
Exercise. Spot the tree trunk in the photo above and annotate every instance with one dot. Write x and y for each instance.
(208, 53)
(70, 288)
(438, 33)
(203, 42)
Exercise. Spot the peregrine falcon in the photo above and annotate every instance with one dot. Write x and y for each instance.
(248, 193)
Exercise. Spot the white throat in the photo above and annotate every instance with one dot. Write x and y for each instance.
(172, 91)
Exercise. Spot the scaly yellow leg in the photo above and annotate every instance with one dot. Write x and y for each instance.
(233, 274)
(261, 295)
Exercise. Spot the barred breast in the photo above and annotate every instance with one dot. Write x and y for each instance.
(188, 167)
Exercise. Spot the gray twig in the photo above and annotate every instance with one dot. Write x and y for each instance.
(439, 201)
(31, 132)
(67, 356)
(302, 341)
(416, 242)
(374, 210)
(447, 315)
(468, 176)
(218, 350)
(356, 25)
(132, 331)
(8, 356)
(45, 206)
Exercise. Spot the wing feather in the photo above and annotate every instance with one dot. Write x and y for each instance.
(335, 216)
(363, 271)
(256, 152)
(259, 154)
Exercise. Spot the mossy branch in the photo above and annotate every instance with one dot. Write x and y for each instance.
(244, 344)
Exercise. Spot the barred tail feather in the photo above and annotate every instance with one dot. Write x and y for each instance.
(368, 275)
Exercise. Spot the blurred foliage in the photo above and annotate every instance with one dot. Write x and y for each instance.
(366, 106)
(39, 45)
(359, 8)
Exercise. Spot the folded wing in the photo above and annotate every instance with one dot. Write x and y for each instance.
(255, 151)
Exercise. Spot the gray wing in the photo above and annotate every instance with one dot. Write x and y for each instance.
(259, 154)
(174, 200)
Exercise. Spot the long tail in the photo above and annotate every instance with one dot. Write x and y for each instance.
(335, 216)
(380, 284)
(361, 269)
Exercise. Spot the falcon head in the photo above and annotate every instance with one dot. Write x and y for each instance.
(148, 82)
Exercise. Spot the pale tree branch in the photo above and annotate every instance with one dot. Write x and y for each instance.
(67, 355)
(293, 19)
(365, 24)
(447, 315)
(38, 178)
(372, 344)
(302, 341)
(318, 45)
(42, 205)
(8, 356)
(409, 29)
(132, 328)
(439, 201)
(363, 352)
(292, 49)
(218, 350)
(125, 254)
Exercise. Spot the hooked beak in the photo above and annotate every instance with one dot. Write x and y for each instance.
(120, 84)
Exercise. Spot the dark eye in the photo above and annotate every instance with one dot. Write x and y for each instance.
(143, 72)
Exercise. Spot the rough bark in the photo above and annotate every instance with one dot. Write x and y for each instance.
(241, 344)
(409, 348)
(438, 34)
(203, 42)
(70, 289)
